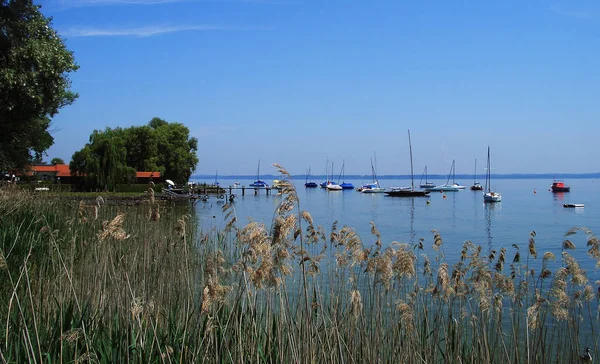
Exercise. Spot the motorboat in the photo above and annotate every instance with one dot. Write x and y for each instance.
(559, 186)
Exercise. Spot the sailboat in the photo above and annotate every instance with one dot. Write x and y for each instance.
(345, 185)
(327, 181)
(333, 186)
(372, 187)
(258, 182)
(489, 195)
(476, 185)
(426, 184)
(216, 181)
(310, 184)
(406, 192)
(447, 186)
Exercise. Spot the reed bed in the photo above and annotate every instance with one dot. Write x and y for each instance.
(89, 282)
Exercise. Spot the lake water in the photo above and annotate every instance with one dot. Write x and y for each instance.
(527, 204)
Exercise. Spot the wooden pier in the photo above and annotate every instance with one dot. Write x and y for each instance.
(228, 193)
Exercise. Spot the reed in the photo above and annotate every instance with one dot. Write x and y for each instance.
(88, 281)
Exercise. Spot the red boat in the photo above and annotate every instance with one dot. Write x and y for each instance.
(559, 186)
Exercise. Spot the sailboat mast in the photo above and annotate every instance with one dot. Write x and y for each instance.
(489, 172)
(412, 177)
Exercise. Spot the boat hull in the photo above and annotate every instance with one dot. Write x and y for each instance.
(373, 190)
(310, 184)
(492, 197)
(443, 188)
(347, 186)
(561, 189)
(406, 193)
(333, 187)
(573, 205)
(259, 184)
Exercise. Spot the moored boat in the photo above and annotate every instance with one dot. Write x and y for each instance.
(559, 186)
(408, 191)
(476, 185)
(489, 195)
(573, 205)
(309, 184)
(426, 184)
(447, 187)
(258, 183)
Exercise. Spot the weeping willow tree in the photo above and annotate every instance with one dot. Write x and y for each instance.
(101, 164)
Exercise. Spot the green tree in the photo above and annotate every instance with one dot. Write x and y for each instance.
(34, 82)
(57, 160)
(101, 163)
(177, 150)
(142, 148)
(113, 156)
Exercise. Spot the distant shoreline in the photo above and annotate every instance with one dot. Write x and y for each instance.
(429, 177)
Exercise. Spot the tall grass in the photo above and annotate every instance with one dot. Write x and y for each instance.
(93, 282)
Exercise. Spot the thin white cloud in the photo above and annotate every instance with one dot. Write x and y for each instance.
(576, 14)
(149, 31)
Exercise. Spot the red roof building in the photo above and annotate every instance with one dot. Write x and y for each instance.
(63, 172)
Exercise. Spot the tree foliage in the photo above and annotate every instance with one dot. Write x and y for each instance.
(57, 160)
(34, 82)
(113, 156)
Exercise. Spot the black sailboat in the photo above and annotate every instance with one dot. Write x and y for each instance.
(408, 192)
(476, 185)
(309, 184)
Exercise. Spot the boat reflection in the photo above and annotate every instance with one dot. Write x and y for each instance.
(490, 210)
(412, 232)
(558, 196)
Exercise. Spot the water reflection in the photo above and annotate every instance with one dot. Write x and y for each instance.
(558, 196)
(490, 210)
(412, 232)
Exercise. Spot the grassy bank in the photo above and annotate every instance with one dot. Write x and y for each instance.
(90, 281)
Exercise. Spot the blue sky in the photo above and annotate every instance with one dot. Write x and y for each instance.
(301, 82)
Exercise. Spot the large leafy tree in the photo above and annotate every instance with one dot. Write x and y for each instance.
(112, 156)
(34, 82)
(177, 149)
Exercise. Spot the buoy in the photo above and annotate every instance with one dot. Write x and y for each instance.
(444, 196)
(534, 191)
(428, 202)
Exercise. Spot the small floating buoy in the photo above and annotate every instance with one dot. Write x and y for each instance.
(444, 196)
(534, 191)
(428, 202)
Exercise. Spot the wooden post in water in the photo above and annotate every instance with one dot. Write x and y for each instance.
(255, 191)
(243, 190)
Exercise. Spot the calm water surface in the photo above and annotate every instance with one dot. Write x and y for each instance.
(459, 216)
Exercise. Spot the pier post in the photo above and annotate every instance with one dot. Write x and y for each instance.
(243, 190)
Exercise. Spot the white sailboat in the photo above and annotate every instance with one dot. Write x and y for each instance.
(333, 186)
(489, 195)
(374, 187)
(447, 186)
